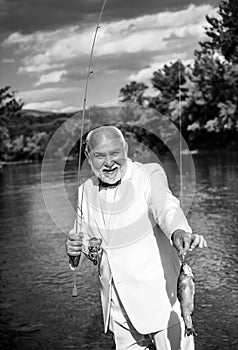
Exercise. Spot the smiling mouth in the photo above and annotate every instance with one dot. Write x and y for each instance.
(110, 171)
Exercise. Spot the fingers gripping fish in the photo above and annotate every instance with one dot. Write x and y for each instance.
(185, 292)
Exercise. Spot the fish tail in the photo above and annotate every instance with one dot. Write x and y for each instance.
(190, 331)
(189, 328)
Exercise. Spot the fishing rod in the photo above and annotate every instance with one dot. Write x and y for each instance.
(74, 260)
(180, 122)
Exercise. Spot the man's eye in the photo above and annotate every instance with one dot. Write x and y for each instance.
(99, 156)
(115, 153)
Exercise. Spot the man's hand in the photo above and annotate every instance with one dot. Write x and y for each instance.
(74, 244)
(186, 241)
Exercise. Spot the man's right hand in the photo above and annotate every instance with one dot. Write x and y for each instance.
(74, 244)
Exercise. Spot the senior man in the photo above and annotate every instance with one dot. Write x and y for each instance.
(130, 208)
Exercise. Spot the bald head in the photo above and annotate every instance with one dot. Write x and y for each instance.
(103, 134)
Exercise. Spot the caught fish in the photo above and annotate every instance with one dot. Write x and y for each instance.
(185, 292)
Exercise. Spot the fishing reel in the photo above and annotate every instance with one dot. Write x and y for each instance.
(94, 250)
(94, 254)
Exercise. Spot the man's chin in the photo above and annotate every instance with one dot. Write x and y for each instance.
(111, 179)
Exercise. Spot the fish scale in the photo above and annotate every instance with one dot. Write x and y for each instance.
(185, 293)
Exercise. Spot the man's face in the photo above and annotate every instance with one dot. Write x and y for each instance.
(107, 158)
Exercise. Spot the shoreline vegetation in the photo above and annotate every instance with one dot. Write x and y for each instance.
(200, 100)
(216, 153)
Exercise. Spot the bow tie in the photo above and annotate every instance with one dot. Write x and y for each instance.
(105, 185)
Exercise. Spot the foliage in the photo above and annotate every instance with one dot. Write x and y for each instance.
(28, 133)
(147, 127)
(208, 84)
(133, 92)
(8, 104)
(202, 98)
(27, 148)
(167, 80)
(5, 142)
(223, 31)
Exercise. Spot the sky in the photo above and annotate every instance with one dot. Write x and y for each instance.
(45, 46)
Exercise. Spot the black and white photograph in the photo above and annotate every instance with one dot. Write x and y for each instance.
(118, 174)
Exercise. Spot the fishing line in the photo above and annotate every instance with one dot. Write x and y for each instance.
(180, 138)
(180, 121)
(181, 253)
(79, 218)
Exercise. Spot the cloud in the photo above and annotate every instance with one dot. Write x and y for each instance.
(69, 109)
(53, 77)
(36, 65)
(151, 33)
(179, 44)
(42, 15)
(53, 106)
(132, 44)
(41, 95)
(8, 60)
(144, 75)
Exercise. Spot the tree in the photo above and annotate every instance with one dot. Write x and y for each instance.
(36, 145)
(5, 142)
(223, 31)
(202, 96)
(8, 106)
(216, 71)
(208, 102)
(146, 128)
(133, 92)
(167, 80)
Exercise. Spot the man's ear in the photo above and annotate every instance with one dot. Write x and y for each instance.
(87, 155)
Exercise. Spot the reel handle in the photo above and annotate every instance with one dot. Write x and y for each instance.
(74, 261)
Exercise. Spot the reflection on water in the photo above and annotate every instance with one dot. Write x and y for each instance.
(37, 310)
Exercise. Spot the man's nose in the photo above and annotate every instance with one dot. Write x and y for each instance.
(108, 161)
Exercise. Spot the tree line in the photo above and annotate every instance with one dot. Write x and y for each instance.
(201, 99)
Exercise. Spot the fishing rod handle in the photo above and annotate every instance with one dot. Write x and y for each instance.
(74, 261)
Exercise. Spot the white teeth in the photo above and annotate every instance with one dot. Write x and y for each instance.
(110, 170)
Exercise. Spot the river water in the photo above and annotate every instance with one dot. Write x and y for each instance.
(37, 310)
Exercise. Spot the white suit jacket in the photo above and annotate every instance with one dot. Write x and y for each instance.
(135, 221)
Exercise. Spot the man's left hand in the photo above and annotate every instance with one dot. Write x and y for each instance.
(186, 241)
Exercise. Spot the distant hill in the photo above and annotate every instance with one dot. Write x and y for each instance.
(27, 122)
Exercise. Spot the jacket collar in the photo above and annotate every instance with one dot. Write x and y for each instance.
(129, 169)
